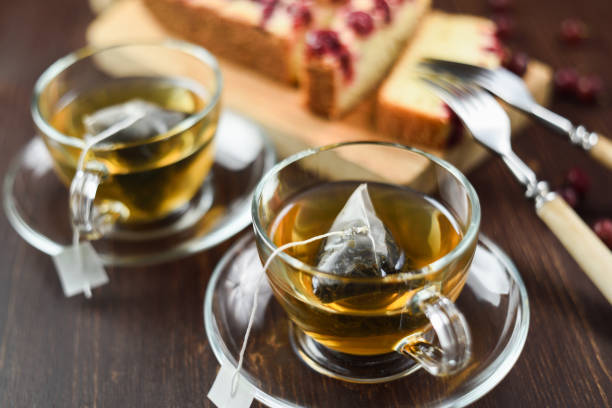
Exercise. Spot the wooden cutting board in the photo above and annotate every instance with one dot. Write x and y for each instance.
(280, 110)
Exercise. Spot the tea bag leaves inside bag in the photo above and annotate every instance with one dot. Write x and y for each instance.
(354, 253)
(148, 121)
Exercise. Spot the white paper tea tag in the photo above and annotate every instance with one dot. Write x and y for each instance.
(81, 278)
(221, 392)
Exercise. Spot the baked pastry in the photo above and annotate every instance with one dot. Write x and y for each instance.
(341, 50)
(265, 35)
(407, 110)
(348, 59)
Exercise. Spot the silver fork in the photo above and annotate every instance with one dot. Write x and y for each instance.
(510, 88)
(490, 126)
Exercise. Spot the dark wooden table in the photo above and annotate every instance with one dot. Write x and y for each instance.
(140, 341)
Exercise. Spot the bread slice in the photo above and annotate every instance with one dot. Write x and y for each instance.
(407, 110)
(266, 35)
(347, 60)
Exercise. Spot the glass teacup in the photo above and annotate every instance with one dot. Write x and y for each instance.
(389, 322)
(149, 154)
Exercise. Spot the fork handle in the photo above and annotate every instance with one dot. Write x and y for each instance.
(588, 251)
(551, 119)
(598, 146)
(602, 151)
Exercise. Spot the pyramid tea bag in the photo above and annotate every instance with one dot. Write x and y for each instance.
(354, 253)
(148, 120)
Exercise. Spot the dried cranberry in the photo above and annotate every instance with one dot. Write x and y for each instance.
(504, 26)
(302, 17)
(588, 88)
(603, 229)
(361, 22)
(323, 41)
(573, 31)
(500, 5)
(578, 180)
(383, 7)
(566, 81)
(570, 195)
(517, 62)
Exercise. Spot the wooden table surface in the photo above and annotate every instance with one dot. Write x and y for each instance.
(140, 341)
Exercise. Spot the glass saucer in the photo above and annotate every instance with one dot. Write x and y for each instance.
(494, 302)
(36, 202)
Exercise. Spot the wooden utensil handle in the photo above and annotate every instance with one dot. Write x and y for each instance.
(581, 242)
(602, 151)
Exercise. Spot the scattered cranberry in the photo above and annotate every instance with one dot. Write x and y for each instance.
(603, 229)
(569, 195)
(588, 88)
(361, 22)
(500, 5)
(383, 7)
(578, 180)
(573, 31)
(302, 17)
(516, 62)
(504, 26)
(566, 81)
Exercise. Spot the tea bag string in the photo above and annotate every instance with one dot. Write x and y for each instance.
(89, 143)
(370, 237)
(348, 231)
(92, 140)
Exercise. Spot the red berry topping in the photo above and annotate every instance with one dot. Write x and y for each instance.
(268, 9)
(516, 62)
(302, 17)
(361, 22)
(578, 180)
(504, 26)
(322, 42)
(589, 88)
(500, 5)
(383, 7)
(573, 31)
(570, 196)
(566, 81)
(603, 229)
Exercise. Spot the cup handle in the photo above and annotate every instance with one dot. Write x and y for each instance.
(454, 343)
(92, 221)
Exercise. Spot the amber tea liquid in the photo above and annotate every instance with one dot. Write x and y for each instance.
(152, 178)
(377, 317)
